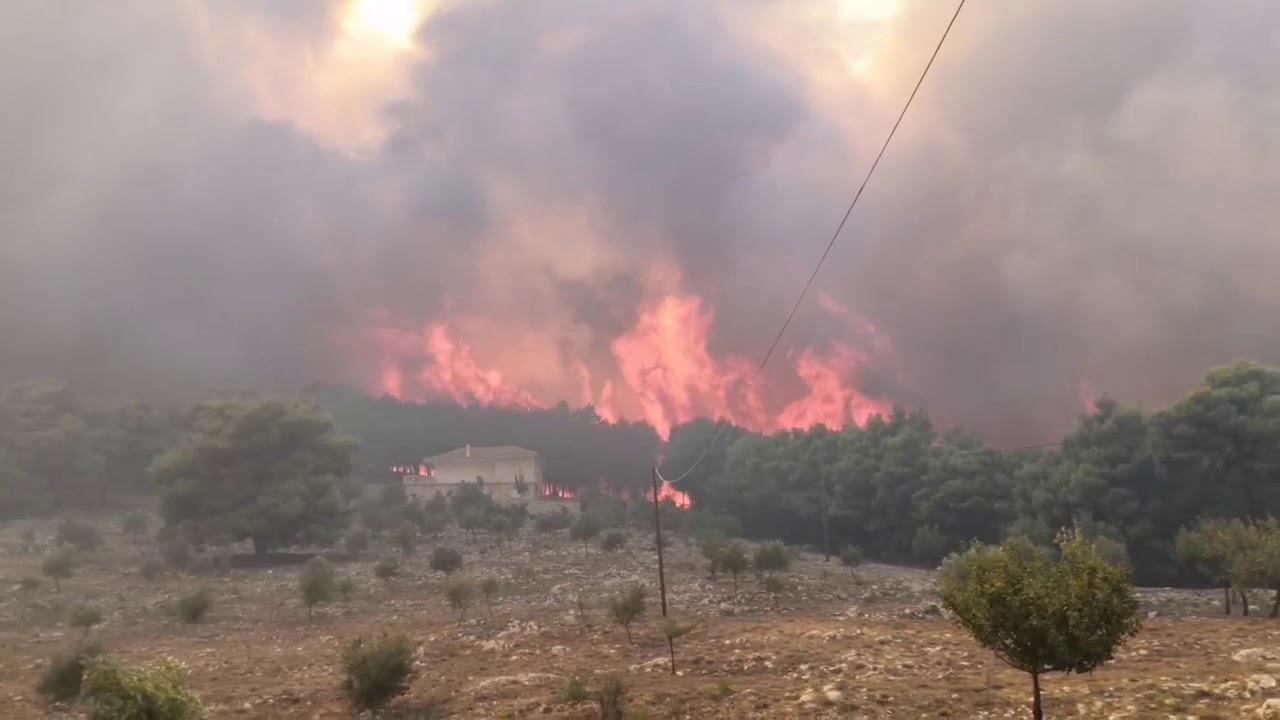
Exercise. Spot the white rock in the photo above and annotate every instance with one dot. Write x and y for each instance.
(1261, 682)
(1255, 655)
(1269, 710)
(833, 696)
(559, 650)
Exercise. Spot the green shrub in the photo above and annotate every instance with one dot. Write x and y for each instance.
(489, 589)
(317, 583)
(1038, 615)
(406, 537)
(59, 567)
(347, 588)
(585, 528)
(28, 583)
(612, 698)
(156, 691)
(78, 534)
(446, 560)
(771, 557)
(386, 569)
(192, 608)
(774, 585)
(150, 568)
(628, 607)
(851, 557)
(377, 672)
(613, 540)
(551, 522)
(85, 617)
(62, 679)
(356, 541)
(576, 691)
(732, 558)
(461, 592)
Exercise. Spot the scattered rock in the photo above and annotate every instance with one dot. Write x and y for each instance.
(1253, 655)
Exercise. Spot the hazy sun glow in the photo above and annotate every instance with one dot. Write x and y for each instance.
(393, 21)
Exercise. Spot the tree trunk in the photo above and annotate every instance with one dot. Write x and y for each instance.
(628, 629)
(259, 546)
(826, 534)
(309, 606)
(735, 583)
(1226, 599)
(1244, 602)
(57, 587)
(1275, 604)
(672, 646)
(1037, 710)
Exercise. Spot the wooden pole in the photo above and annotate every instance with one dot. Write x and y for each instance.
(657, 535)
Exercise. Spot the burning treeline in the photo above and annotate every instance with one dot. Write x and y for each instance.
(661, 371)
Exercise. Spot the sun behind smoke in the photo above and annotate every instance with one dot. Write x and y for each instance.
(392, 21)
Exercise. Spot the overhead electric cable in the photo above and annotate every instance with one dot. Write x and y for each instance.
(830, 244)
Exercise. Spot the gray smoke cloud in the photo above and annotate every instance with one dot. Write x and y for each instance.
(1081, 196)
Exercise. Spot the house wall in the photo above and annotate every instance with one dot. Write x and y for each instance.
(499, 478)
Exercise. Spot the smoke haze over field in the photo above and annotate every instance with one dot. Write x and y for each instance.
(615, 202)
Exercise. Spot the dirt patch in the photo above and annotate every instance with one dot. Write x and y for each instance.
(832, 645)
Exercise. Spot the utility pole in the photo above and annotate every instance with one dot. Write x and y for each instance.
(657, 535)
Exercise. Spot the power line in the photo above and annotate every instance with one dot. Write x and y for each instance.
(831, 243)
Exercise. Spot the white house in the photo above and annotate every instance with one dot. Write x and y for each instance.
(505, 472)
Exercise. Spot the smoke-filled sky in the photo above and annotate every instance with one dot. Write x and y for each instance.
(552, 199)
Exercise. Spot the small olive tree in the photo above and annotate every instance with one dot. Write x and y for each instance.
(771, 557)
(406, 537)
(628, 607)
(673, 630)
(489, 589)
(156, 690)
(85, 617)
(461, 592)
(59, 567)
(613, 541)
(386, 569)
(851, 557)
(732, 558)
(377, 672)
(585, 528)
(317, 584)
(1041, 616)
(446, 560)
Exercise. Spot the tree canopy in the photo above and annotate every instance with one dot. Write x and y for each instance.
(266, 470)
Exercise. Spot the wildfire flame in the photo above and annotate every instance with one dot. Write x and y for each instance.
(663, 373)
(666, 491)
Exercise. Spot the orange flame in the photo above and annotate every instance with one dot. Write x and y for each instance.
(451, 373)
(663, 373)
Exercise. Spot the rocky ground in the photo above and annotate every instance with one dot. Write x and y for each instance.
(831, 645)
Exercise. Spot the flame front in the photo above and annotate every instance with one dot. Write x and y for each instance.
(662, 372)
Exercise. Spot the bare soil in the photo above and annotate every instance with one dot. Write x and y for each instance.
(832, 645)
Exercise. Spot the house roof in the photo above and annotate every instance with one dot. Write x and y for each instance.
(478, 452)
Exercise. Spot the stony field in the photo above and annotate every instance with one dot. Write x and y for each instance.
(831, 645)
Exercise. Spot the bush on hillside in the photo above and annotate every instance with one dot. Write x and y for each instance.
(155, 691)
(377, 672)
(193, 607)
(62, 679)
(78, 534)
(446, 560)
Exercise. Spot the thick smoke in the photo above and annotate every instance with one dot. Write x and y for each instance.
(1081, 198)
